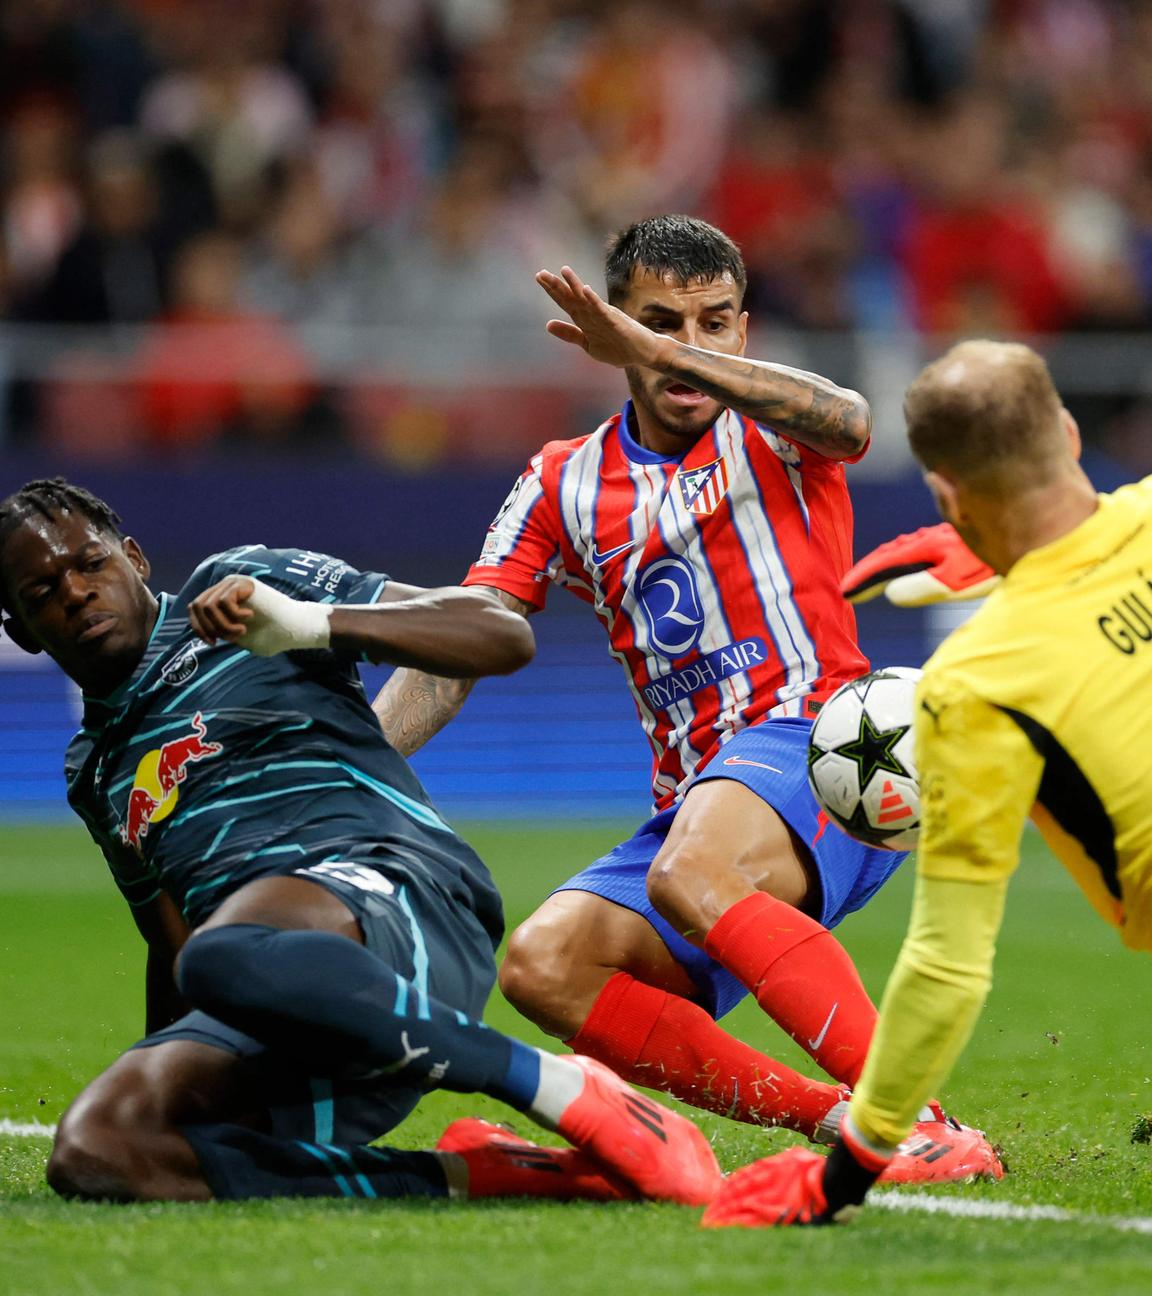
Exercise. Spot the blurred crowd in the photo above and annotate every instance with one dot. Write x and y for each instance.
(275, 177)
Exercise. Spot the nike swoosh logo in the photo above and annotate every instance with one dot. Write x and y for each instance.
(599, 559)
(815, 1043)
(739, 760)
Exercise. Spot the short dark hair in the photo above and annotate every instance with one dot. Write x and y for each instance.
(680, 247)
(49, 497)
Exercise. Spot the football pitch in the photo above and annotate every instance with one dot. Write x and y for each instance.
(1059, 1073)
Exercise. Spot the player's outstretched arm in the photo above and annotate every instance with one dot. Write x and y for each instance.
(453, 631)
(803, 406)
(413, 706)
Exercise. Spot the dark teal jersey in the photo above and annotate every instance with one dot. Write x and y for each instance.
(210, 767)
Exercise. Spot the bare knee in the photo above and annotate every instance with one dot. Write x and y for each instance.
(687, 891)
(544, 978)
(100, 1151)
(692, 884)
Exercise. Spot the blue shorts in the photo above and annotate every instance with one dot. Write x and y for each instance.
(771, 759)
(439, 946)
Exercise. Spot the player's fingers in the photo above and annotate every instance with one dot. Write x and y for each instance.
(200, 625)
(556, 288)
(917, 589)
(222, 620)
(229, 604)
(566, 332)
(864, 593)
(573, 280)
(209, 623)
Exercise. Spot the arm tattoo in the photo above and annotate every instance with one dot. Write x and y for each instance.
(804, 406)
(412, 707)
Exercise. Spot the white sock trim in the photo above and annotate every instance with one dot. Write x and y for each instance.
(561, 1083)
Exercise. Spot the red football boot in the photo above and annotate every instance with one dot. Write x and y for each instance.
(779, 1190)
(943, 1151)
(938, 1150)
(638, 1142)
(502, 1164)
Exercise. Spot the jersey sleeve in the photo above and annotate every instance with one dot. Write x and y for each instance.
(300, 573)
(521, 552)
(930, 1006)
(979, 776)
(801, 458)
(136, 884)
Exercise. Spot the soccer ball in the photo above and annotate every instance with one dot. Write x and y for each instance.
(860, 759)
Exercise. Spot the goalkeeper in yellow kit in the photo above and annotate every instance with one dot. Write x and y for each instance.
(1008, 725)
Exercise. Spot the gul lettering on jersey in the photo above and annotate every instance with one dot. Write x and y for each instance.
(1128, 622)
(679, 588)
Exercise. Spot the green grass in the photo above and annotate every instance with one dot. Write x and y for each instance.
(1059, 1073)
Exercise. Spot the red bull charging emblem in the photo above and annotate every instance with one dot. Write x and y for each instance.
(158, 777)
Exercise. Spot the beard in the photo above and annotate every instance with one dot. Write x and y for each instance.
(687, 425)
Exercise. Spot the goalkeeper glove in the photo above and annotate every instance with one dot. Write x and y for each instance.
(932, 565)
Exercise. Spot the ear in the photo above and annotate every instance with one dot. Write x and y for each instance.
(136, 557)
(19, 636)
(947, 497)
(742, 329)
(1072, 432)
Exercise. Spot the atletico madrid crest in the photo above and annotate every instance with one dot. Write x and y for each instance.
(703, 488)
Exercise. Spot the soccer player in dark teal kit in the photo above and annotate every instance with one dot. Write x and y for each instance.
(320, 941)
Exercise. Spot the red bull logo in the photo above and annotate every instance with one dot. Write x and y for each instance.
(158, 777)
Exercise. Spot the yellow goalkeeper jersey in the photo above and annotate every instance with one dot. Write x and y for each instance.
(1045, 696)
(1041, 704)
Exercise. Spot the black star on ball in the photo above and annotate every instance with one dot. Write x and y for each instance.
(872, 749)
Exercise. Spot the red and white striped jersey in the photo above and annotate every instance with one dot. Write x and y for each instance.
(716, 575)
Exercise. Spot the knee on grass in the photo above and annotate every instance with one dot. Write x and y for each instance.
(98, 1153)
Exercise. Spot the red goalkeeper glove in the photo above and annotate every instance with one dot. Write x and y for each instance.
(932, 565)
(794, 1187)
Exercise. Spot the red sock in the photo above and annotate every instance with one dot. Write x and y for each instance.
(665, 1042)
(801, 976)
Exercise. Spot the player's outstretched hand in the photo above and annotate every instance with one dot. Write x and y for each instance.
(606, 333)
(932, 565)
(247, 612)
(784, 1189)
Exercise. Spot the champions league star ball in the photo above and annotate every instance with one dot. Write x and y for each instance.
(860, 759)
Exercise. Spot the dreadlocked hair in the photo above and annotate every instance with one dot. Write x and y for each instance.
(49, 497)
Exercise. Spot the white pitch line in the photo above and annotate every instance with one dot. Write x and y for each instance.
(957, 1207)
(997, 1210)
(27, 1129)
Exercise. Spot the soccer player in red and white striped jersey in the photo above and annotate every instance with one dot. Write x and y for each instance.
(714, 572)
(708, 524)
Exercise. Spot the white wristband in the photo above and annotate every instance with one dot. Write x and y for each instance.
(283, 624)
